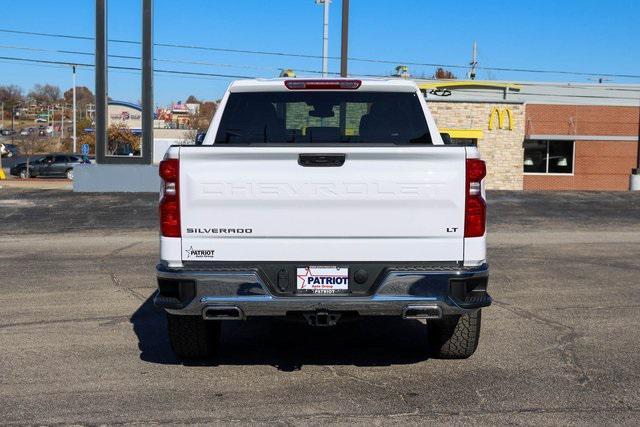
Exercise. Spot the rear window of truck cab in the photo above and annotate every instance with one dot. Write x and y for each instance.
(310, 117)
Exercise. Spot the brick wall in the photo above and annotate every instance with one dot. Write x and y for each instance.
(500, 148)
(581, 120)
(599, 165)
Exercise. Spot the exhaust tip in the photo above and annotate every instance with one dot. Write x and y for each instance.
(222, 313)
(422, 312)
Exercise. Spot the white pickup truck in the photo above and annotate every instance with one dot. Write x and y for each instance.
(323, 200)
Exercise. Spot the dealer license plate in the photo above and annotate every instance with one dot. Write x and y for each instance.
(322, 280)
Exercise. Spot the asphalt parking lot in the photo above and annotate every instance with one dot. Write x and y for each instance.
(80, 341)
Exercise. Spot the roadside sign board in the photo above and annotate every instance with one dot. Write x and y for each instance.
(85, 149)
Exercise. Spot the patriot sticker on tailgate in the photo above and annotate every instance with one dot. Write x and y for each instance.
(322, 279)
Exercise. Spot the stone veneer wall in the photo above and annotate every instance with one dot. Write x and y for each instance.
(500, 148)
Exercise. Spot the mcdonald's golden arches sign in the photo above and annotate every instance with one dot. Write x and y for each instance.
(501, 115)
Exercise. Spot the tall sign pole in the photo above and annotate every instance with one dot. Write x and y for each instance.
(101, 80)
(345, 38)
(147, 81)
(73, 117)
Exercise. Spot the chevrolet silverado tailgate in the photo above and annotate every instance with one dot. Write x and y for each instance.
(267, 203)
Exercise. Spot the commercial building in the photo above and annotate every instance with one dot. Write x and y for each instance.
(125, 113)
(543, 136)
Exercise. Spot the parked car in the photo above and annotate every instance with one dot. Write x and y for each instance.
(8, 150)
(273, 217)
(41, 120)
(24, 132)
(51, 165)
(7, 132)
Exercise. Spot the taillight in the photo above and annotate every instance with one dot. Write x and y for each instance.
(475, 210)
(322, 84)
(170, 201)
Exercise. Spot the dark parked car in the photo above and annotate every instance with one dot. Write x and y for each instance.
(52, 165)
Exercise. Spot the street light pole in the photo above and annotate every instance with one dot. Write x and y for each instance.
(74, 108)
(13, 119)
(345, 38)
(325, 36)
(62, 123)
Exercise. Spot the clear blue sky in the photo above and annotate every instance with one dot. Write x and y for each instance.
(579, 35)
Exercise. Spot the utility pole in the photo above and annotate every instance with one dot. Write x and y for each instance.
(2, 114)
(325, 36)
(74, 108)
(345, 38)
(474, 62)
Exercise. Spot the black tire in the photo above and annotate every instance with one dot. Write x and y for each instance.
(454, 337)
(23, 174)
(193, 337)
(69, 174)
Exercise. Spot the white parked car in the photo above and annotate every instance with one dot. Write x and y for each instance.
(323, 200)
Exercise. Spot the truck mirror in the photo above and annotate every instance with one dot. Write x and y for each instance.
(200, 137)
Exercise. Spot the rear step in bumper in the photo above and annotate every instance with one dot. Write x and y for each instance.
(238, 294)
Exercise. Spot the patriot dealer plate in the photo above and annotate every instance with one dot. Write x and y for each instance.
(322, 280)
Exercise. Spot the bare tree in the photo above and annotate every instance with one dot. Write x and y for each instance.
(47, 94)
(31, 145)
(189, 137)
(11, 95)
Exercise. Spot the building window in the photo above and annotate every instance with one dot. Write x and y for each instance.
(554, 157)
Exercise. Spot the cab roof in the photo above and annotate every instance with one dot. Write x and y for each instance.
(368, 84)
